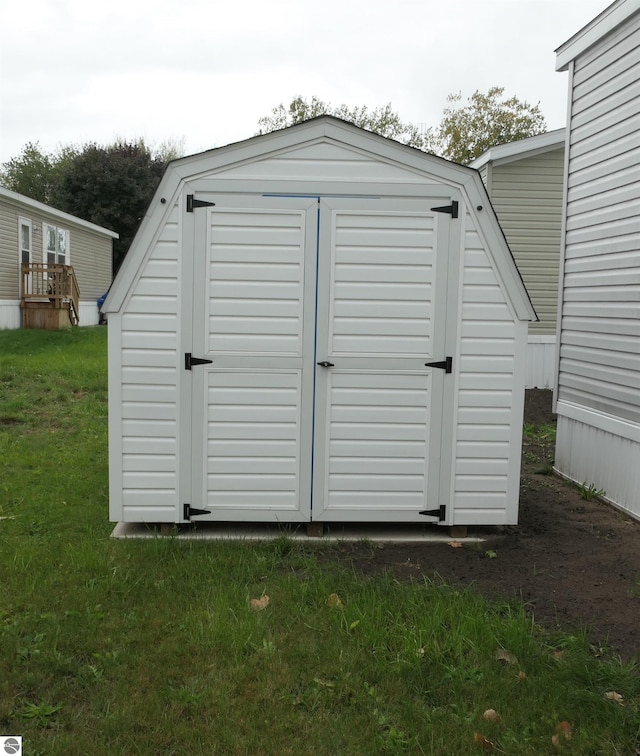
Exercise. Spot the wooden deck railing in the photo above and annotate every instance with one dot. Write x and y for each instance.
(52, 284)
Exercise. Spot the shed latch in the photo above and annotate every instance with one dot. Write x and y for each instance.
(190, 360)
(452, 209)
(440, 512)
(446, 364)
(193, 203)
(190, 511)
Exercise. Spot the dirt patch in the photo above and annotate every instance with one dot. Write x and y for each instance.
(574, 562)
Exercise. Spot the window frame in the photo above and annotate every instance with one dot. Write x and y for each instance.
(25, 223)
(57, 233)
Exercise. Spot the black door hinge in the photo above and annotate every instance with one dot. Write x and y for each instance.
(193, 203)
(446, 364)
(190, 511)
(452, 209)
(440, 512)
(190, 360)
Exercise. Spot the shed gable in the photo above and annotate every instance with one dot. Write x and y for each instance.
(326, 157)
(323, 159)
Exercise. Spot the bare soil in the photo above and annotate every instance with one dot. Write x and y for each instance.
(574, 562)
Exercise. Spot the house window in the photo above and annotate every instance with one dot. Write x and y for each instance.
(56, 245)
(25, 239)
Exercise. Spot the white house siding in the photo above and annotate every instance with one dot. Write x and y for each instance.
(600, 342)
(490, 395)
(599, 362)
(144, 392)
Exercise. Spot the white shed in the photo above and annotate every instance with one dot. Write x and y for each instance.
(598, 394)
(317, 324)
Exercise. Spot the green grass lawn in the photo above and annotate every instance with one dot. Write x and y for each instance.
(152, 647)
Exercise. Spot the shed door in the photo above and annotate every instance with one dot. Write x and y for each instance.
(253, 313)
(381, 316)
(282, 284)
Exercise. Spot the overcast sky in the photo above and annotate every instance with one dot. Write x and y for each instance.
(204, 71)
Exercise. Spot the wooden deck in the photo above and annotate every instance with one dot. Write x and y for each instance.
(50, 297)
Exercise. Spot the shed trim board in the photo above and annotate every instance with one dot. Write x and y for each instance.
(321, 283)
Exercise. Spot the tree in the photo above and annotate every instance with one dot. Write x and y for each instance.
(112, 187)
(466, 131)
(384, 120)
(35, 173)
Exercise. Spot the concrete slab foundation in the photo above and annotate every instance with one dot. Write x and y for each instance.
(332, 533)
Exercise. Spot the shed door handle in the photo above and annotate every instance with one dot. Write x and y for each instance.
(326, 364)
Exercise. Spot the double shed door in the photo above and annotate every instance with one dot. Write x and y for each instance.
(318, 315)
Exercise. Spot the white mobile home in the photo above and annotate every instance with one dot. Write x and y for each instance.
(524, 180)
(317, 324)
(53, 266)
(598, 395)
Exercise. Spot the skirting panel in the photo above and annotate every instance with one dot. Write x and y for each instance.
(587, 454)
(541, 362)
(88, 313)
(9, 314)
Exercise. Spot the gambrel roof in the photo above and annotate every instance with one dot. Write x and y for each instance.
(248, 166)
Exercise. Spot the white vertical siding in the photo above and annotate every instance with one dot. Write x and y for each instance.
(10, 314)
(485, 461)
(89, 314)
(594, 456)
(540, 362)
(148, 390)
(600, 339)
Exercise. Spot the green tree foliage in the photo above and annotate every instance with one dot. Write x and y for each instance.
(35, 173)
(383, 120)
(112, 187)
(466, 131)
